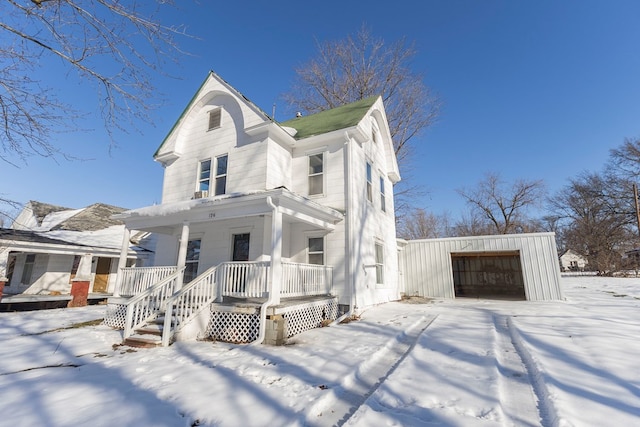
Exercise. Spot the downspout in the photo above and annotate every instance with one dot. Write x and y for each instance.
(270, 298)
(347, 230)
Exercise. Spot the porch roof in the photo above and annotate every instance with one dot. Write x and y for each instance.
(165, 217)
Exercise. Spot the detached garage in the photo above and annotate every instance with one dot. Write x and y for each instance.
(515, 266)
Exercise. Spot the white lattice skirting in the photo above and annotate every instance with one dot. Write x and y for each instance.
(300, 318)
(234, 327)
(115, 316)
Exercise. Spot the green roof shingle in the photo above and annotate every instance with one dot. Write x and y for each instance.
(329, 120)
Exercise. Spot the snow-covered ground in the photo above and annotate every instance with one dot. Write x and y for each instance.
(457, 363)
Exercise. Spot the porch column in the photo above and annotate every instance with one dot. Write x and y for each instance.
(182, 252)
(122, 261)
(276, 255)
(4, 260)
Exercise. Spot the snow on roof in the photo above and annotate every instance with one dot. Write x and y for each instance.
(55, 218)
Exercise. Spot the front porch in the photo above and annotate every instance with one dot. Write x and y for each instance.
(232, 302)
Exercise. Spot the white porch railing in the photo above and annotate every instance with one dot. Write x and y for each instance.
(244, 279)
(134, 280)
(188, 302)
(305, 280)
(147, 304)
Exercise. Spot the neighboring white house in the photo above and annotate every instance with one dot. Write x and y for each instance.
(41, 251)
(268, 211)
(572, 261)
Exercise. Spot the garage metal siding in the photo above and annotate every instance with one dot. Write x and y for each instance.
(428, 269)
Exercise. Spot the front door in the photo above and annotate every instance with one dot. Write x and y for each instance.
(101, 281)
(240, 253)
(240, 247)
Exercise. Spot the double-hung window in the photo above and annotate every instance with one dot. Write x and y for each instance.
(204, 175)
(221, 174)
(220, 177)
(192, 260)
(369, 183)
(383, 199)
(379, 263)
(316, 251)
(316, 171)
(27, 270)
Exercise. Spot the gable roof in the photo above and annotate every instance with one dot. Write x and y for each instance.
(41, 210)
(329, 120)
(92, 218)
(196, 97)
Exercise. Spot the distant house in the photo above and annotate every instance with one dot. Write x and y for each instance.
(41, 251)
(572, 261)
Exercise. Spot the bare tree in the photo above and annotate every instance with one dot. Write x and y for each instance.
(504, 206)
(362, 66)
(593, 223)
(472, 224)
(114, 45)
(420, 224)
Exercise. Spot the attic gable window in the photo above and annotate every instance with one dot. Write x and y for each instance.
(215, 117)
(316, 170)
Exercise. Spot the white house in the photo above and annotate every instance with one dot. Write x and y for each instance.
(41, 252)
(572, 261)
(264, 224)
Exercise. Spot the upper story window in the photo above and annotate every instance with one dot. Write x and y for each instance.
(383, 199)
(204, 175)
(315, 254)
(215, 117)
(316, 171)
(221, 174)
(220, 177)
(369, 183)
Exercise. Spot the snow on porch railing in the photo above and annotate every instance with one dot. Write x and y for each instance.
(134, 280)
(306, 279)
(244, 279)
(188, 302)
(149, 303)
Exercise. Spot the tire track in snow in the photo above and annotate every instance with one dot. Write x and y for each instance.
(518, 397)
(341, 402)
(546, 408)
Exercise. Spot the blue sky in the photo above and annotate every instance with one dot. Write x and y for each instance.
(534, 90)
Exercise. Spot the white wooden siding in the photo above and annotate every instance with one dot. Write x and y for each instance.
(427, 269)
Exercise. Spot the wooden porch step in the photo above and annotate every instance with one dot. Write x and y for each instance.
(143, 341)
(151, 329)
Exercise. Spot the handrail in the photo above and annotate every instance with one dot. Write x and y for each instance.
(244, 279)
(134, 280)
(187, 303)
(141, 307)
(306, 279)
